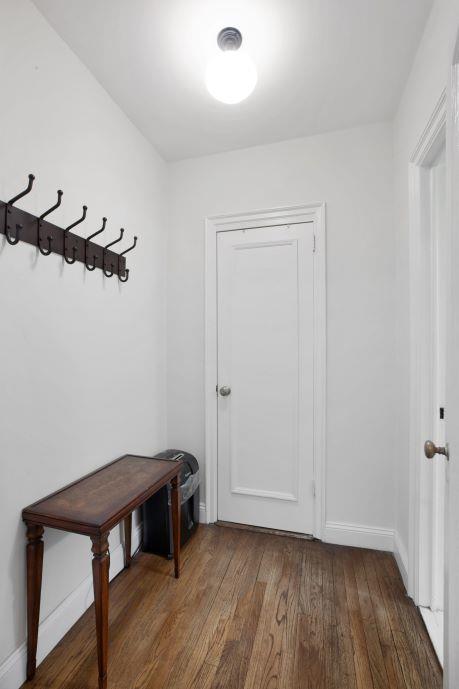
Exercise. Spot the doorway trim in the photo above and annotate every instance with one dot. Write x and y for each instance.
(304, 213)
(451, 631)
(420, 535)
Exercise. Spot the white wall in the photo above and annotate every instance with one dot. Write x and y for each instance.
(428, 78)
(82, 371)
(84, 357)
(352, 172)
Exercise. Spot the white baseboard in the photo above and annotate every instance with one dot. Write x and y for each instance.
(202, 515)
(359, 535)
(344, 533)
(57, 624)
(401, 558)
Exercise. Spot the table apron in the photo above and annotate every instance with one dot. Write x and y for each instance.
(86, 529)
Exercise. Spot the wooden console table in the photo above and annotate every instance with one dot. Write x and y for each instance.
(92, 506)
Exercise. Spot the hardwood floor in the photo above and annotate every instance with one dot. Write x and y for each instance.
(253, 611)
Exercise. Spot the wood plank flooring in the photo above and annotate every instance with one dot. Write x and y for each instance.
(253, 611)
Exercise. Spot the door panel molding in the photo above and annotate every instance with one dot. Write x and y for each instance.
(309, 213)
(256, 493)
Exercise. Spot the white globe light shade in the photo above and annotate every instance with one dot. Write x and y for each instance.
(231, 76)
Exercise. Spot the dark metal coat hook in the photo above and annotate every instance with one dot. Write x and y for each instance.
(125, 279)
(107, 273)
(91, 236)
(14, 240)
(23, 193)
(74, 251)
(66, 231)
(56, 205)
(115, 241)
(94, 234)
(46, 252)
(93, 267)
(130, 248)
(77, 222)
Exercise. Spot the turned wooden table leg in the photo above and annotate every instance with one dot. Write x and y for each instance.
(100, 568)
(127, 540)
(175, 483)
(34, 573)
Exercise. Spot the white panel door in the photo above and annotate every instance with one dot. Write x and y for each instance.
(438, 209)
(265, 367)
(432, 565)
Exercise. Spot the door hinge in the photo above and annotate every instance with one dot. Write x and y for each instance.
(313, 486)
(442, 412)
(314, 244)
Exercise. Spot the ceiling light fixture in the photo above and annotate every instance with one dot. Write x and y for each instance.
(231, 76)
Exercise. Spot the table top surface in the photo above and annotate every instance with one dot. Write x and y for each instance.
(99, 500)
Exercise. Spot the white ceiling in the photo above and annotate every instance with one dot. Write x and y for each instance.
(322, 64)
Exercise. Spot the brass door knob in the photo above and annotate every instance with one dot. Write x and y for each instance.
(430, 450)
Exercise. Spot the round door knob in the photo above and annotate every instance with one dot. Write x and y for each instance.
(430, 450)
(225, 390)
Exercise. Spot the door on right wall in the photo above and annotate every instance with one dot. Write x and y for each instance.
(432, 602)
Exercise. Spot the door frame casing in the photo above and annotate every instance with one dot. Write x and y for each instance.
(420, 534)
(451, 640)
(305, 213)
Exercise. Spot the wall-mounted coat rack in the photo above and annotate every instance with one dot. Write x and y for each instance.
(20, 226)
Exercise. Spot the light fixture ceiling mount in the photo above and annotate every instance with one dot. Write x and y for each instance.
(229, 39)
(231, 76)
